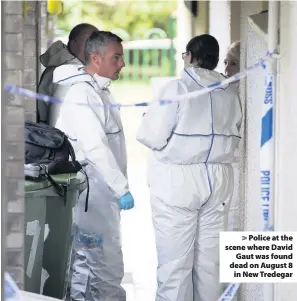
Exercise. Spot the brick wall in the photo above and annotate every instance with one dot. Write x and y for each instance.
(23, 37)
(13, 138)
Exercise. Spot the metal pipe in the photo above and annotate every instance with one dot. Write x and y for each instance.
(273, 28)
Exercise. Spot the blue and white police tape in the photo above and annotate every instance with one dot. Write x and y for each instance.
(232, 288)
(266, 168)
(267, 153)
(24, 92)
(11, 291)
(266, 136)
(229, 292)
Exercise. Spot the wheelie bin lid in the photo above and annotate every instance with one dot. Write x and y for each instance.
(70, 180)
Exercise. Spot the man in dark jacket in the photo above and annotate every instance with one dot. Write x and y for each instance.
(59, 54)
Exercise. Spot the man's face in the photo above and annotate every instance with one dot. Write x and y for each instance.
(110, 61)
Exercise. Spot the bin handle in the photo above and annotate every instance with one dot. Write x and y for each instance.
(60, 190)
(88, 190)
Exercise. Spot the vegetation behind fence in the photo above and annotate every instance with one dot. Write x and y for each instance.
(152, 55)
(147, 28)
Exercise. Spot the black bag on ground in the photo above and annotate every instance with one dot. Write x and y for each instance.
(50, 147)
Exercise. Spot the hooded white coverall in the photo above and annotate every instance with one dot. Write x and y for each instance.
(191, 182)
(96, 134)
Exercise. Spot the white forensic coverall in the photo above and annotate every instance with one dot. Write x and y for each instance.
(191, 182)
(96, 134)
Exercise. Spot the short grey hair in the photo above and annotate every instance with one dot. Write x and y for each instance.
(98, 40)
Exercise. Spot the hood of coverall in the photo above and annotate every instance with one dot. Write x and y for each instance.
(66, 75)
(57, 55)
(203, 76)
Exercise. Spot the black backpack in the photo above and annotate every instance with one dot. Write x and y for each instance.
(45, 144)
(50, 147)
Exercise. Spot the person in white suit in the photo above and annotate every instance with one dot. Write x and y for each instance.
(190, 174)
(93, 124)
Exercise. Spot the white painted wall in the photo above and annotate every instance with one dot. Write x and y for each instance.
(251, 92)
(219, 27)
(235, 20)
(256, 49)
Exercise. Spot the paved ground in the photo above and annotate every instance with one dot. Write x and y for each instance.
(137, 230)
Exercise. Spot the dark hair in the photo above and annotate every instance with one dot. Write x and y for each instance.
(205, 51)
(97, 40)
(79, 30)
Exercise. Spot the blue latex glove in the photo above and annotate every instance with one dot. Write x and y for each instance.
(127, 201)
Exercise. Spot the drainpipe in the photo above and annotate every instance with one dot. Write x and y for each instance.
(184, 33)
(273, 28)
